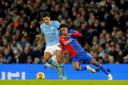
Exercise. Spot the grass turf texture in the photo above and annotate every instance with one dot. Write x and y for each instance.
(63, 82)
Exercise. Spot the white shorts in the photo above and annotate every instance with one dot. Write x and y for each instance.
(52, 50)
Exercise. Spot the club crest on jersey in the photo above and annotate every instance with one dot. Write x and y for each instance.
(52, 27)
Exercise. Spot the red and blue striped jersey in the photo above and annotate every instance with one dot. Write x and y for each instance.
(71, 44)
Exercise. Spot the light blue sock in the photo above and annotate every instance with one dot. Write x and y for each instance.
(50, 61)
(58, 67)
(62, 70)
(47, 65)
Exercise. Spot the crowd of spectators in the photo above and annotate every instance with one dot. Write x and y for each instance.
(103, 24)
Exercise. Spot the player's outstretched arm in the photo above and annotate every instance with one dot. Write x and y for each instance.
(76, 34)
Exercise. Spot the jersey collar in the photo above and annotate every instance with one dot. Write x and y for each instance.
(49, 23)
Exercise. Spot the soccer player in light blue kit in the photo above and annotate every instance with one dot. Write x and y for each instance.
(52, 53)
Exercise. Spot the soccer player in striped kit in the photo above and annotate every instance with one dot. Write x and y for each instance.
(70, 44)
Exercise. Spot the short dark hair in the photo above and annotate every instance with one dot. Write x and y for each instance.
(44, 14)
(63, 25)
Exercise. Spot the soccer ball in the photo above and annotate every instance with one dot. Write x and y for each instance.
(40, 76)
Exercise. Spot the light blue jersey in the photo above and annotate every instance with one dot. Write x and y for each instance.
(51, 32)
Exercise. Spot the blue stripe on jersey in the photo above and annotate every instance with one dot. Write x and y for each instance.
(74, 43)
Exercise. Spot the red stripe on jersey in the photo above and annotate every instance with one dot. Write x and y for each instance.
(77, 34)
(66, 46)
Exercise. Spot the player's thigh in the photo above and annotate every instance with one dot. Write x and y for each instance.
(86, 57)
(48, 53)
(90, 59)
(76, 65)
(59, 56)
(94, 62)
(58, 52)
(47, 56)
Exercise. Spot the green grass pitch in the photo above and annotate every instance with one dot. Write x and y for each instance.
(63, 82)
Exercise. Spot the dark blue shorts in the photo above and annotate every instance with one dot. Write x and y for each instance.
(83, 56)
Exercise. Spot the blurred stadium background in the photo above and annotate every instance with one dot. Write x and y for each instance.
(103, 23)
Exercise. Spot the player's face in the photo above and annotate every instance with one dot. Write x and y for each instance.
(46, 20)
(64, 31)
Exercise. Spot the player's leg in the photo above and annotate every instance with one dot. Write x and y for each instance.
(91, 60)
(58, 68)
(56, 65)
(48, 62)
(47, 56)
(60, 61)
(52, 62)
(48, 65)
(102, 68)
(78, 67)
(48, 53)
(99, 66)
(59, 57)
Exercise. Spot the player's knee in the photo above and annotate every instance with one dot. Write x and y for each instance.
(59, 59)
(94, 62)
(47, 56)
(46, 59)
(77, 69)
(59, 54)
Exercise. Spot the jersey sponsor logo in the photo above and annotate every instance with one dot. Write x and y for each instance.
(48, 32)
(54, 32)
(67, 42)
